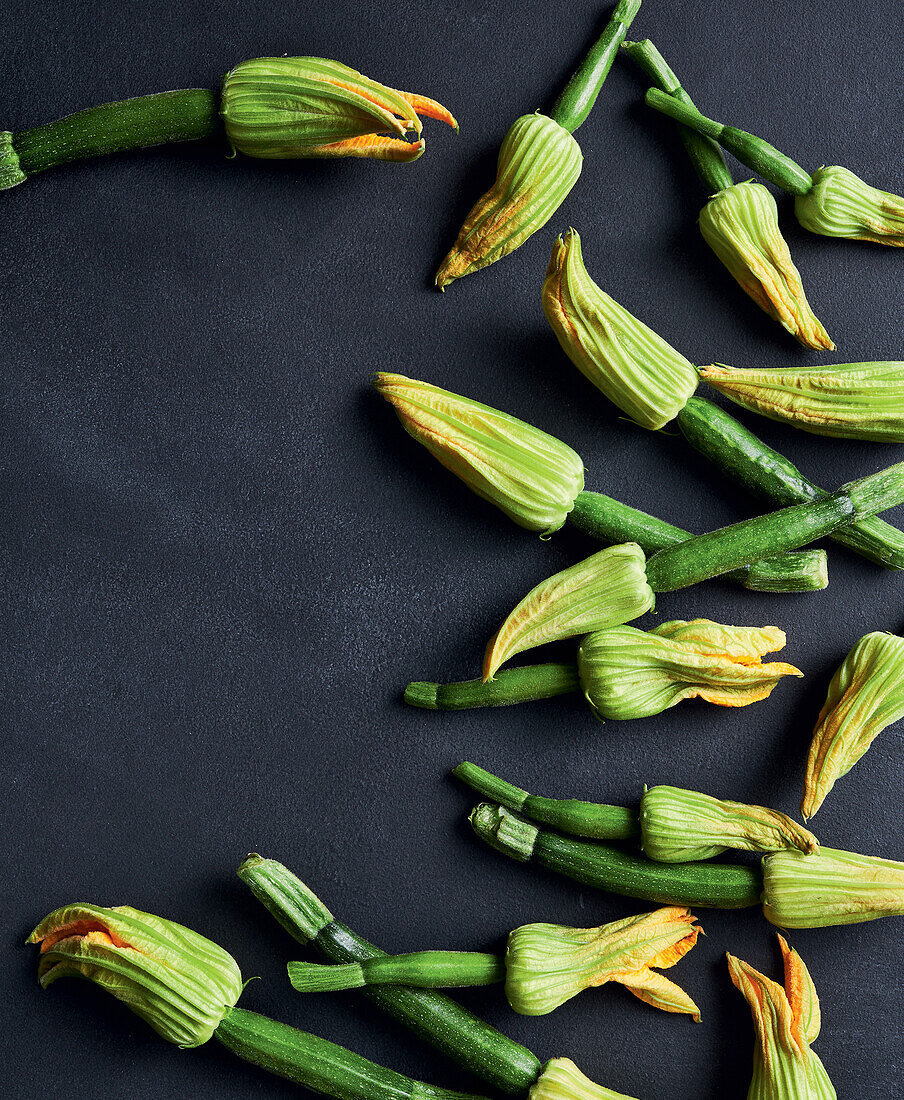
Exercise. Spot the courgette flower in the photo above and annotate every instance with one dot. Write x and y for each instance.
(562, 1080)
(633, 366)
(840, 204)
(866, 695)
(740, 224)
(847, 400)
(830, 887)
(630, 673)
(608, 588)
(181, 983)
(678, 826)
(548, 964)
(533, 477)
(539, 163)
(787, 1021)
(288, 107)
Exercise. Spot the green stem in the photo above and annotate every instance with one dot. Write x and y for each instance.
(432, 1016)
(185, 115)
(719, 551)
(705, 154)
(514, 685)
(317, 1063)
(612, 522)
(568, 815)
(757, 154)
(423, 969)
(746, 459)
(577, 99)
(712, 885)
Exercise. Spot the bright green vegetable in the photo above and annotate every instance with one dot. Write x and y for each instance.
(185, 987)
(711, 885)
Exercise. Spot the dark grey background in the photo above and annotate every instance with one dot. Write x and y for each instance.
(224, 559)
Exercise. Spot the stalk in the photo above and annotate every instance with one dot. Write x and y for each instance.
(757, 154)
(568, 815)
(513, 685)
(317, 1063)
(185, 115)
(432, 1016)
(746, 459)
(579, 95)
(705, 154)
(424, 969)
(710, 885)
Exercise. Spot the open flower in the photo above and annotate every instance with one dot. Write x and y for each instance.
(182, 984)
(288, 107)
(840, 204)
(787, 1021)
(740, 224)
(849, 400)
(533, 477)
(866, 695)
(677, 826)
(630, 673)
(607, 588)
(547, 964)
(634, 367)
(539, 163)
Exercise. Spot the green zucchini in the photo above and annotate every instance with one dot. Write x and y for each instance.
(710, 885)
(425, 969)
(512, 685)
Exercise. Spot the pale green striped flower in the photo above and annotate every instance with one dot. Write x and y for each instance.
(628, 362)
(539, 163)
(562, 1080)
(840, 204)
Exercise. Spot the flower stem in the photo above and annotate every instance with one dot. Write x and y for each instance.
(706, 156)
(579, 95)
(514, 685)
(186, 115)
(421, 969)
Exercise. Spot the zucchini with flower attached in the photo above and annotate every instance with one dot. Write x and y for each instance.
(740, 221)
(186, 987)
(431, 1015)
(544, 965)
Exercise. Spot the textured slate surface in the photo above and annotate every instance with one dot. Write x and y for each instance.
(223, 559)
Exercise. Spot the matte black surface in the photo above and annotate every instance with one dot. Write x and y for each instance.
(224, 559)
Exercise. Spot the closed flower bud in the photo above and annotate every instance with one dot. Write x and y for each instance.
(678, 826)
(849, 400)
(548, 964)
(840, 204)
(634, 367)
(740, 224)
(533, 477)
(562, 1080)
(787, 1021)
(608, 588)
(830, 887)
(539, 163)
(179, 982)
(287, 107)
(866, 695)
(630, 673)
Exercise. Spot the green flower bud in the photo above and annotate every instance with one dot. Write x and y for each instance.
(630, 673)
(548, 964)
(840, 204)
(288, 107)
(740, 224)
(179, 982)
(562, 1080)
(10, 172)
(866, 695)
(848, 400)
(787, 1020)
(608, 588)
(533, 477)
(830, 887)
(539, 163)
(678, 826)
(634, 367)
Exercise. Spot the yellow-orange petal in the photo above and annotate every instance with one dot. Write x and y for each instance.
(430, 108)
(801, 994)
(373, 146)
(660, 992)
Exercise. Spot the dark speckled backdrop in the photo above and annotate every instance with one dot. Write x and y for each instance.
(222, 559)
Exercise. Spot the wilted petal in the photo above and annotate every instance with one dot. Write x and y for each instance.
(866, 695)
(840, 204)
